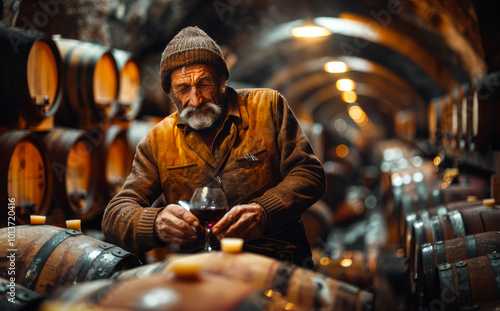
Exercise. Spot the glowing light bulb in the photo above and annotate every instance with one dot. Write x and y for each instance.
(345, 85)
(336, 67)
(310, 31)
(349, 97)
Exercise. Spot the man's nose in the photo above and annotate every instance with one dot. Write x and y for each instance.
(194, 97)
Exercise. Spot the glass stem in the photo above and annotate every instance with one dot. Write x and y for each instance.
(207, 239)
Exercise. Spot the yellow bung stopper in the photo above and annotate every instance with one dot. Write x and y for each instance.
(37, 220)
(451, 172)
(231, 245)
(185, 268)
(471, 198)
(75, 224)
(489, 202)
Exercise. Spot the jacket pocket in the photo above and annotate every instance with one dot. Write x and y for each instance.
(247, 176)
(253, 156)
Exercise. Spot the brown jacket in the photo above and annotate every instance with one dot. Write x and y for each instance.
(260, 154)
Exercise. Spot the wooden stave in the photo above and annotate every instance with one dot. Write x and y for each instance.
(44, 265)
(14, 78)
(9, 141)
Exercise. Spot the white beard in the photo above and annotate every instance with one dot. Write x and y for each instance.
(202, 117)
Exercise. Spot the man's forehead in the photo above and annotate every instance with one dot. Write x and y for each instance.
(190, 70)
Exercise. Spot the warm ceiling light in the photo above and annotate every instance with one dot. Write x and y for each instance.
(349, 97)
(345, 85)
(346, 262)
(310, 30)
(336, 67)
(357, 114)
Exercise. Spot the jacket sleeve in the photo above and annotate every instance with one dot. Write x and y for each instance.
(129, 219)
(303, 177)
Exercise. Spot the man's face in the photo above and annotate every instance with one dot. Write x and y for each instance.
(197, 93)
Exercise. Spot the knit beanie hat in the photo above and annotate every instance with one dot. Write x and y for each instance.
(191, 46)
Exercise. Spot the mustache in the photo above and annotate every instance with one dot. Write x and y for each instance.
(190, 110)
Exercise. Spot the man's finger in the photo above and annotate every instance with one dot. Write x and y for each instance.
(172, 221)
(225, 222)
(182, 213)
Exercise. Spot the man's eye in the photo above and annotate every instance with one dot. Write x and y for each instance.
(206, 86)
(182, 90)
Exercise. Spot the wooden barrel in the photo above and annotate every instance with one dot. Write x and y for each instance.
(422, 194)
(118, 159)
(91, 84)
(480, 115)
(14, 297)
(49, 257)
(350, 266)
(435, 114)
(298, 285)
(488, 96)
(75, 155)
(423, 214)
(454, 224)
(208, 292)
(130, 95)
(30, 82)
(466, 283)
(430, 256)
(26, 176)
(352, 207)
(317, 222)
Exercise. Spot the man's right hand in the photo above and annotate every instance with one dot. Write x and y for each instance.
(174, 224)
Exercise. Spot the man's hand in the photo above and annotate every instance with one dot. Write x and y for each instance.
(174, 224)
(242, 221)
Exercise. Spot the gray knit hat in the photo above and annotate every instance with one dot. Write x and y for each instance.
(191, 46)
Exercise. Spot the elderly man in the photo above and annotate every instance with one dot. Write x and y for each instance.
(246, 142)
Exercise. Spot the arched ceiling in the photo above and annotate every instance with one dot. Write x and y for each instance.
(401, 54)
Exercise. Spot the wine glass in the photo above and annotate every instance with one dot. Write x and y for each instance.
(208, 205)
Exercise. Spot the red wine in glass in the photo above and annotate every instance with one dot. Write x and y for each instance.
(208, 205)
(209, 216)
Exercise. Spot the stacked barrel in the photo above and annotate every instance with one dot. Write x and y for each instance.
(67, 107)
(447, 226)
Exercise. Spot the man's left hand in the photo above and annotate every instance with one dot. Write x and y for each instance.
(243, 221)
